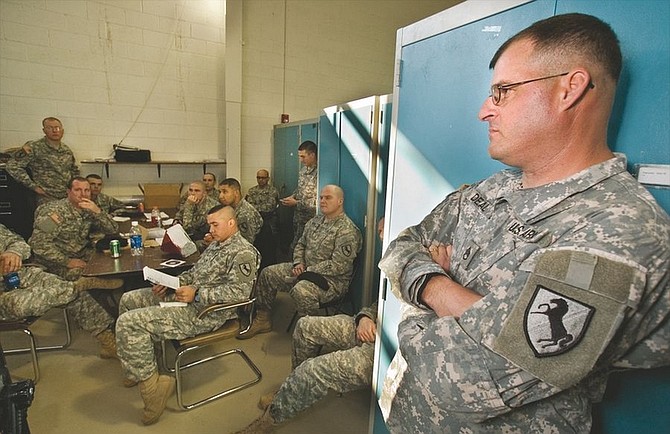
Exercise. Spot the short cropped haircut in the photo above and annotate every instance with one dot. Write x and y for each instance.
(51, 118)
(75, 178)
(94, 176)
(231, 182)
(308, 146)
(572, 34)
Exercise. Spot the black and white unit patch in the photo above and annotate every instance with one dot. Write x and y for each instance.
(245, 268)
(554, 323)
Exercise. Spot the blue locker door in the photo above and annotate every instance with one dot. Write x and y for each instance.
(637, 401)
(285, 176)
(329, 147)
(640, 123)
(285, 158)
(309, 131)
(355, 176)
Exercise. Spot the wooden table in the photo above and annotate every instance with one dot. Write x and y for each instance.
(102, 264)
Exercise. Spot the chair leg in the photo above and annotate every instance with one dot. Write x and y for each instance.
(68, 339)
(33, 353)
(178, 368)
(294, 318)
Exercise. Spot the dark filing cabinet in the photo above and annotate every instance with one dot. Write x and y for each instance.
(17, 204)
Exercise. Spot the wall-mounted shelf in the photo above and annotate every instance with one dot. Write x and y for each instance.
(157, 163)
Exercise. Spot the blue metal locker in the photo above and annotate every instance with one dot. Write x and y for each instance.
(349, 155)
(285, 167)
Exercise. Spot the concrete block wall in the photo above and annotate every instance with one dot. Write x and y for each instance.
(153, 73)
(145, 71)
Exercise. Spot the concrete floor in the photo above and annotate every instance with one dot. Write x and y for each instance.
(81, 393)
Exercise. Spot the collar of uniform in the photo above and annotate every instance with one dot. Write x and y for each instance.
(530, 203)
(223, 244)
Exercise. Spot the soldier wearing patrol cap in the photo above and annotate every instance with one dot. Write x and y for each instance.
(225, 272)
(526, 289)
(323, 262)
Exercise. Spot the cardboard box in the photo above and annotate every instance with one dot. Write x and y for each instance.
(164, 196)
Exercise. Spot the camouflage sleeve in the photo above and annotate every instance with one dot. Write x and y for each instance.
(74, 169)
(370, 312)
(115, 204)
(11, 242)
(407, 262)
(17, 165)
(299, 250)
(46, 231)
(182, 201)
(105, 223)
(255, 223)
(341, 262)
(189, 217)
(233, 283)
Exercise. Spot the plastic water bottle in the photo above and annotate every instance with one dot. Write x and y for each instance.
(156, 217)
(136, 248)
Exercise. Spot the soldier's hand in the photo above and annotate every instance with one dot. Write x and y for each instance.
(366, 330)
(10, 262)
(89, 205)
(185, 294)
(193, 199)
(76, 263)
(207, 240)
(441, 254)
(298, 269)
(159, 291)
(288, 201)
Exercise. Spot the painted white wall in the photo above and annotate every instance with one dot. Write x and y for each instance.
(184, 80)
(301, 56)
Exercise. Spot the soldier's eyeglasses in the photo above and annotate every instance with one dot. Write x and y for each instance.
(498, 91)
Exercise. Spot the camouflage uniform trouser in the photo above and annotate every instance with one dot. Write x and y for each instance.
(41, 291)
(142, 322)
(305, 294)
(347, 368)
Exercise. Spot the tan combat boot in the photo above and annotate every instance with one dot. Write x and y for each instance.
(155, 392)
(262, 324)
(107, 345)
(128, 382)
(86, 283)
(265, 400)
(262, 425)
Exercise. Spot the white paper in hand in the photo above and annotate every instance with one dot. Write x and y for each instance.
(159, 278)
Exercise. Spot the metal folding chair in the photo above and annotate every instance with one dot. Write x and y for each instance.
(24, 325)
(189, 346)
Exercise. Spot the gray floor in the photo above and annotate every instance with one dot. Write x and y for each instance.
(81, 393)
